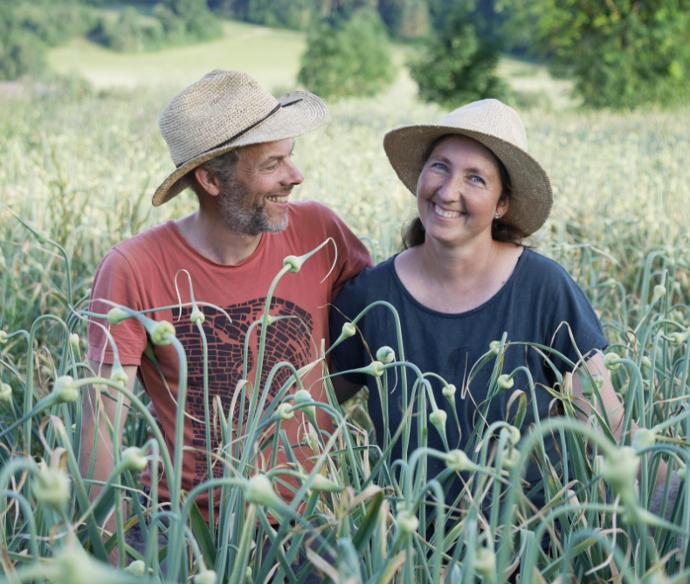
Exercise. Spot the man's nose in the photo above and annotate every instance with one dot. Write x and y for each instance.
(294, 176)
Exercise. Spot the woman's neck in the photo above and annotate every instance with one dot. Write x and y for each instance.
(456, 280)
(458, 266)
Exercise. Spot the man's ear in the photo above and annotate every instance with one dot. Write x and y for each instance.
(207, 181)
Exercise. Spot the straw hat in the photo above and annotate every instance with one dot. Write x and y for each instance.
(499, 128)
(225, 110)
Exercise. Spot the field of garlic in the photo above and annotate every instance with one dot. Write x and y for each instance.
(76, 174)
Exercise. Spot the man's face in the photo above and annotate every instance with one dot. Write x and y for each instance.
(255, 199)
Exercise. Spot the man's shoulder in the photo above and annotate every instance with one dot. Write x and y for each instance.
(310, 211)
(151, 239)
(140, 250)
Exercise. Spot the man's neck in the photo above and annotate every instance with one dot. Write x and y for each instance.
(209, 236)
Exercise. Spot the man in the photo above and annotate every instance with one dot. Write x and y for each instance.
(231, 142)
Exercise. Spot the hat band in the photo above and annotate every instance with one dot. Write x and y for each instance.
(242, 132)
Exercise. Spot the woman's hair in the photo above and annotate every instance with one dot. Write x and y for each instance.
(414, 234)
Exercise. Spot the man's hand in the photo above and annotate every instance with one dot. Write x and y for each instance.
(344, 389)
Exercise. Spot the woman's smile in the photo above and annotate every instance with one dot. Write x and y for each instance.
(446, 213)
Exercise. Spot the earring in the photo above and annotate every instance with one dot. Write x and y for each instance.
(497, 216)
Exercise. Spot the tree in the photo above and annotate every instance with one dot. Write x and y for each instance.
(27, 29)
(405, 19)
(199, 23)
(458, 63)
(621, 53)
(347, 57)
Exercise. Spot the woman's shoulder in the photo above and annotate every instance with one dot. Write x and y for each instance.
(535, 264)
(547, 279)
(372, 277)
(371, 283)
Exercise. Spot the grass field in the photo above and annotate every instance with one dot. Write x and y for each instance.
(78, 169)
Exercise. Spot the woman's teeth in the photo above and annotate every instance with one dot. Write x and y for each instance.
(445, 213)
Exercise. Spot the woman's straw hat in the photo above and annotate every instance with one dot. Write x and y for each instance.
(499, 128)
(225, 110)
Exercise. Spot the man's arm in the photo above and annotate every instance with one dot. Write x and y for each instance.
(97, 431)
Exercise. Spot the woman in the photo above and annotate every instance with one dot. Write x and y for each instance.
(462, 282)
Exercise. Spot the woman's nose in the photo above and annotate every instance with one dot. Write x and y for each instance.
(449, 190)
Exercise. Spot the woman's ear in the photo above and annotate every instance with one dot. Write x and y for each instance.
(502, 207)
(207, 181)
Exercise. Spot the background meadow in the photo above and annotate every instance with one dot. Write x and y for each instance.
(81, 156)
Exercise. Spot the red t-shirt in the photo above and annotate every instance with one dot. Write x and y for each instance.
(148, 271)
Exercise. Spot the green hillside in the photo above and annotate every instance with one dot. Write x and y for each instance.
(272, 55)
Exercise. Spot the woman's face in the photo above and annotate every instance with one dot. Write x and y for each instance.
(458, 192)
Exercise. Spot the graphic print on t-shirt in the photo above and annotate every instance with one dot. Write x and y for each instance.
(288, 339)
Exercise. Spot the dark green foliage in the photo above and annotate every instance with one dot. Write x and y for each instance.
(21, 53)
(405, 19)
(458, 64)
(129, 31)
(26, 29)
(348, 58)
(170, 23)
(199, 23)
(622, 54)
(295, 14)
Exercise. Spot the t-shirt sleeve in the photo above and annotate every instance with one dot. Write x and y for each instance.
(572, 327)
(352, 255)
(115, 282)
(350, 353)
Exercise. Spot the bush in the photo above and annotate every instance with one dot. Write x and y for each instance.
(458, 64)
(621, 55)
(199, 22)
(348, 58)
(174, 22)
(27, 29)
(21, 53)
(129, 32)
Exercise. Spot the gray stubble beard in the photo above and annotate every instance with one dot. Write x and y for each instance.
(239, 218)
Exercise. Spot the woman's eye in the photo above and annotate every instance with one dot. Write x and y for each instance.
(477, 180)
(439, 165)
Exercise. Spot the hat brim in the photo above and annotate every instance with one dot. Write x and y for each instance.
(531, 197)
(301, 112)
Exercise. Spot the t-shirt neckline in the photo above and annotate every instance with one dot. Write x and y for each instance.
(501, 291)
(182, 241)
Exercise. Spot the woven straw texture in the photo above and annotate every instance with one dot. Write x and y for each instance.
(499, 128)
(225, 110)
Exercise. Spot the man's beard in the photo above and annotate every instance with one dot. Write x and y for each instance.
(241, 215)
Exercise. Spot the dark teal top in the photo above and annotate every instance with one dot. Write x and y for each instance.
(540, 304)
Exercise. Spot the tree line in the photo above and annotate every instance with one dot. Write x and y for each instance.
(620, 53)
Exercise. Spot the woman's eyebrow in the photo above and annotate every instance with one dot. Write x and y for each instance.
(476, 170)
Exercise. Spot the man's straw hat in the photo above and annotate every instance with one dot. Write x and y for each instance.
(500, 129)
(225, 110)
